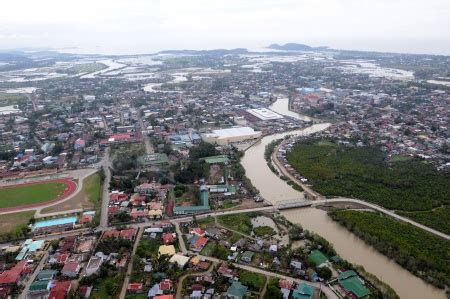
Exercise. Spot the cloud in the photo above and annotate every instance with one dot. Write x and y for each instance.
(398, 25)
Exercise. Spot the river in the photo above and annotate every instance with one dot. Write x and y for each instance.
(350, 247)
(281, 106)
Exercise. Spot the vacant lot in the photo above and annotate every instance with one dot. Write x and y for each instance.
(13, 223)
(30, 194)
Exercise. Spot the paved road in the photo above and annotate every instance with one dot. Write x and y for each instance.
(123, 292)
(30, 280)
(384, 211)
(325, 289)
(146, 139)
(323, 200)
(106, 164)
(180, 237)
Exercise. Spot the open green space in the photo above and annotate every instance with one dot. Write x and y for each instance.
(261, 231)
(30, 194)
(238, 222)
(418, 251)
(14, 225)
(366, 173)
(92, 185)
(254, 281)
(11, 98)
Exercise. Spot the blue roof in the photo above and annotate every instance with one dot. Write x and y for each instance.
(57, 221)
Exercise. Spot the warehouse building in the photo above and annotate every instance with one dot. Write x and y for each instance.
(264, 114)
(230, 135)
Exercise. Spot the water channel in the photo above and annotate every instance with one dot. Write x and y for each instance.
(350, 247)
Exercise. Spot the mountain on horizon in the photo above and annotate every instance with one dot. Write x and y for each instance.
(295, 47)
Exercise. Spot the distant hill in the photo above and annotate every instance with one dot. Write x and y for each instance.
(295, 47)
(207, 52)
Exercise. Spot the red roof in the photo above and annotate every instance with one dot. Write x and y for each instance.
(197, 287)
(113, 210)
(111, 234)
(163, 297)
(201, 242)
(166, 284)
(60, 290)
(286, 284)
(168, 238)
(117, 197)
(72, 267)
(12, 275)
(138, 213)
(122, 136)
(62, 258)
(134, 287)
(128, 233)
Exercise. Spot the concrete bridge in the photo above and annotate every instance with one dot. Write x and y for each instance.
(293, 203)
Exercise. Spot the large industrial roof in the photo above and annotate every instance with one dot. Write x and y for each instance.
(264, 114)
(235, 131)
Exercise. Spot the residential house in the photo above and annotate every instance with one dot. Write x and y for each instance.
(71, 269)
(247, 256)
(353, 285)
(60, 290)
(303, 291)
(237, 290)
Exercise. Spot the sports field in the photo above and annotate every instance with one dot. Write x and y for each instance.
(33, 194)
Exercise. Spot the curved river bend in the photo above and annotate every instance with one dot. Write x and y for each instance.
(348, 246)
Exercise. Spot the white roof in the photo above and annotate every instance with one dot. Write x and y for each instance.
(264, 114)
(181, 260)
(235, 131)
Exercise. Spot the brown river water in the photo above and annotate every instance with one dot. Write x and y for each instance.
(347, 245)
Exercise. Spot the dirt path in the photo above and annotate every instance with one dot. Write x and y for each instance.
(182, 278)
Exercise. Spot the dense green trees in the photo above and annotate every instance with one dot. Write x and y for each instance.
(420, 252)
(365, 173)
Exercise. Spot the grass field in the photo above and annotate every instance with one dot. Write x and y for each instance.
(13, 223)
(89, 197)
(30, 194)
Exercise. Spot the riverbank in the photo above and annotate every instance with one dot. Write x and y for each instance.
(419, 252)
(347, 245)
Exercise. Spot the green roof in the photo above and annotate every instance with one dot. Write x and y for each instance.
(153, 159)
(247, 255)
(237, 289)
(46, 274)
(317, 257)
(216, 159)
(204, 197)
(40, 285)
(303, 291)
(350, 281)
(190, 209)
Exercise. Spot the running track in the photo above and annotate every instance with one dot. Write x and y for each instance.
(71, 187)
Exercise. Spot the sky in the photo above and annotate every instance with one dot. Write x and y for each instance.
(147, 26)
